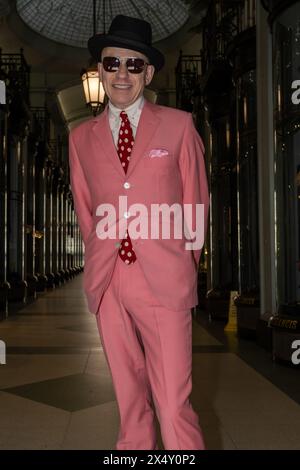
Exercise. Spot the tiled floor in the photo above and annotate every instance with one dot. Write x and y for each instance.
(56, 390)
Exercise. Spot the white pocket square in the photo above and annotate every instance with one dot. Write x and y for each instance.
(158, 153)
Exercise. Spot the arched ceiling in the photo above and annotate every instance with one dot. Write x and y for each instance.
(51, 55)
(71, 22)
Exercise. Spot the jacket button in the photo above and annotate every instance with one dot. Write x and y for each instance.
(126, 185)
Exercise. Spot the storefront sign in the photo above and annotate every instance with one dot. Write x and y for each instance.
(287, 323)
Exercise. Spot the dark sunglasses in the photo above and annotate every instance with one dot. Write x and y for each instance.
(133, 64)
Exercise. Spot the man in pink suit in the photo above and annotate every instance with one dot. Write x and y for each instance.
(141, 286)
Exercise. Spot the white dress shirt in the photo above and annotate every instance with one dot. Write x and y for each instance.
(133, 112)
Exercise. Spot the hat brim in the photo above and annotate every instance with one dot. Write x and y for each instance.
(98, 42)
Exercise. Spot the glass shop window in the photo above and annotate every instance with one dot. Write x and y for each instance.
(247, 183)
(286, 89)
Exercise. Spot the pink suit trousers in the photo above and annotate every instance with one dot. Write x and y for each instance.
(148, 348)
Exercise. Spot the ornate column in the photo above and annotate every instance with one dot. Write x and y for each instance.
(56, 224)
(265, 168)
(17, 163)
(49, 222)
(40, 221)
(60, 229)
(15, 72)
(243, 57)
(31, 278)
(4, 284)
(216, 103)
(69, 203)
(64, 202)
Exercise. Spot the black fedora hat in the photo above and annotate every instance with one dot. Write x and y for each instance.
(128, 33)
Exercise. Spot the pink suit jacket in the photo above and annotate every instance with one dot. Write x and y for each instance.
(175, 175)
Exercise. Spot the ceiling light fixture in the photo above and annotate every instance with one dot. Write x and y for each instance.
(92, 86)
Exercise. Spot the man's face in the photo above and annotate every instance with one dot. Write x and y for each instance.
(122, 87)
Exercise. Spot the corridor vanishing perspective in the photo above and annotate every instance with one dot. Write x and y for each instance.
(56, 390)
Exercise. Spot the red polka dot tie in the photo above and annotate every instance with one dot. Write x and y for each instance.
(125, 144)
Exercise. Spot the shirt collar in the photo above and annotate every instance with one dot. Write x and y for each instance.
(133, 111)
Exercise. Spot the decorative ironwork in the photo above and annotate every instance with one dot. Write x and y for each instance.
(223, 22)
(188, 71)
(41, 119)
(15, 71)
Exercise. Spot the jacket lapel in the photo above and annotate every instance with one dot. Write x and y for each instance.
(102, 130)
(147, 126)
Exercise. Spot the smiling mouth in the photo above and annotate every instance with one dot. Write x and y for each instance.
(122, 87)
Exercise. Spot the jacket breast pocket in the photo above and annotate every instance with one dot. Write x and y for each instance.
(158, 164)
(169, 184)
(161, 171)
